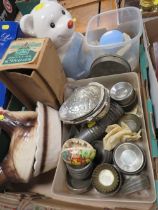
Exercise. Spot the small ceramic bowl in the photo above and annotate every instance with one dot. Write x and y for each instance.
(77, 152)
(48, 141)
(129, 158)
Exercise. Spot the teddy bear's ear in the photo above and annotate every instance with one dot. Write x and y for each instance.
(26, 25)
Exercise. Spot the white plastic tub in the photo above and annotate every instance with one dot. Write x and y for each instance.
(128, 20)
(142, 200)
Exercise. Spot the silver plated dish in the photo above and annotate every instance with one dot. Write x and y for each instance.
(129, 158)
(85, 103)
(98, 113)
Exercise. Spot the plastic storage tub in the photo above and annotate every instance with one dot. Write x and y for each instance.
(127, 20)
(142, 200)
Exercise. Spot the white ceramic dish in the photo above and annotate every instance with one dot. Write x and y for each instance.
(48, 139)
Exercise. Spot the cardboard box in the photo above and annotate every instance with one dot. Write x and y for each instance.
(8, 10)
(150, 36)
(42, 185)
(144, 199)
(32, 71)
(9, 31)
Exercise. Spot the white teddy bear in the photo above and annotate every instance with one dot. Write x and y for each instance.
(52, 20)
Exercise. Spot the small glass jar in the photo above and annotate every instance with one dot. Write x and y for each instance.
(156, 5)
(147, 5)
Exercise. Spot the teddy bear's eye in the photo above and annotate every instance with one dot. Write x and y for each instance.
(63, 12)
(52, 25)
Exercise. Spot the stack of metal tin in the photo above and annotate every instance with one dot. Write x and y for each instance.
(92, 108)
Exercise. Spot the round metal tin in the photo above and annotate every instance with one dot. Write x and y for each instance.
(133, 122)
(108, 65)
(131, 104)
(78, 186)
(129, 158)
(134, 184)
(122, 92)
(106, 179)
(80, 172)
(102, 156)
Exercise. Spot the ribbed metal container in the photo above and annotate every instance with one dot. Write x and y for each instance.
(80, 172)
(98, 131)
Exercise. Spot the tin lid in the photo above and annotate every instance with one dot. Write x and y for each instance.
(121, 91)
(133, 122)
(108, 65)
(129, 158)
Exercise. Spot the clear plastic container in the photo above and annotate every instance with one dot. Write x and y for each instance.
(127, 20)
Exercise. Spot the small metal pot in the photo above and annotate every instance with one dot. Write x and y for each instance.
(131, 105)
(134, 184)
(78, 186)
(98, 131)
(129, 158)
(124, 94)
(80, 172)
(133, 122)
(102, 156)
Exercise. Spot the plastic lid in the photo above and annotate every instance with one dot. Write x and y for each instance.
(112, 37)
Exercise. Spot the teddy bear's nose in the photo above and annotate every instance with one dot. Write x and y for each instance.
(70, 24)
